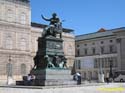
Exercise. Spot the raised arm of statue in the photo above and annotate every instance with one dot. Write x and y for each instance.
(45, 18)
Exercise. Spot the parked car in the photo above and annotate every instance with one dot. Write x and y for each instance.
(119, 76)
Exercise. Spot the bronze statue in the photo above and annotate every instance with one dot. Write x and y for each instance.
(54, 20)
(55, 26)
(49, 63)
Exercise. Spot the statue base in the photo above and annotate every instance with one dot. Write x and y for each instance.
(52, 77)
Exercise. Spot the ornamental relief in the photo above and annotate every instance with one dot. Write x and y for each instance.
(54, 45)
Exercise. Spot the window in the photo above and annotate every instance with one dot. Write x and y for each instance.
(111, 48)
(96, 74)
(93, 43)
(78, 52)
(102, 49)
(95, 63)
(9, 69)
(9, 15)
(85, 44)
(115, 60)
(0, 10)
(86, 52)
(8, 42)
(102, 42)
(79, 64)
(23, 44)
(103, 62)
(84, 75)
(90, 74)
(77, 45)
(23, 18)
(70, 48)
(108, 64)
(93, 50)
(111, 41)
(23, 69)
(118, 40)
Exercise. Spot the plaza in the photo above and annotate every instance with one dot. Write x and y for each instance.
(84, 88)
(88, 54)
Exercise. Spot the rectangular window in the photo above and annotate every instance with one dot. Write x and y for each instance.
(108, 65)
(95, 63)
(86, 52)
(103, 62)
(116, 63)
(93, 50)
(78, 52)
(79, 64)
(102, 50)
(77, 45)
(111, 48)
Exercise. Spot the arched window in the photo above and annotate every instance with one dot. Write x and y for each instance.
(23, 69)
(23, 18)
(9, 69)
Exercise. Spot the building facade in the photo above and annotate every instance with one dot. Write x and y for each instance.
(96, 52)
(18, 40)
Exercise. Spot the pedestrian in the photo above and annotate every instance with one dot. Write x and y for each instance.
(32, 80)
(78, 75)
(29, 79)
(107, 78)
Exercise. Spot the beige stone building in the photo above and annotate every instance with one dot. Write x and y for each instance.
(95, 52)
(18, 40)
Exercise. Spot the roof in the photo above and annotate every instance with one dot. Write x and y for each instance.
(38, 25)
(33, 24)
(98, 34)
(25, 0)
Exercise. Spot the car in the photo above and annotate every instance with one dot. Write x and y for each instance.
(119, 76)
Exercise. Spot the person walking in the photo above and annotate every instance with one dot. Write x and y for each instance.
(78, 75)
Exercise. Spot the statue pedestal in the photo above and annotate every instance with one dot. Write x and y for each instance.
(52, 77)
(10, 80)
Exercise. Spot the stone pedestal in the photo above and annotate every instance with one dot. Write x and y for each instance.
(52, 77)
(10, 81)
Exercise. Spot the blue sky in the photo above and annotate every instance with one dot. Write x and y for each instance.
(83, 16)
